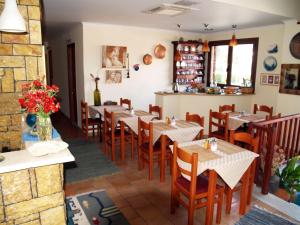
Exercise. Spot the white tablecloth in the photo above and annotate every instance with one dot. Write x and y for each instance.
(132, 121)
(95, 110)
(230, 167)
(178, 134)
(236, 119)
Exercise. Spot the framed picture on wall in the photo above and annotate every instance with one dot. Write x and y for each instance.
(290, 79)
(269, 79)
(113, 76)
(114, 56)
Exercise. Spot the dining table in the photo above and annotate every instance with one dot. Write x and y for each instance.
(230, 162)
(238, 119)
(98, 111)
(130, 119)
(180, 131)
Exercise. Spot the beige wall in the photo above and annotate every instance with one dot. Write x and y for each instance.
(288, 104)
(139, 41)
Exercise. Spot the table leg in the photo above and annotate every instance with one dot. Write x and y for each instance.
(163, 140)
(244, 192)
(122, 140)
(212, 182)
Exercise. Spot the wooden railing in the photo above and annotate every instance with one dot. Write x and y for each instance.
(284, 133)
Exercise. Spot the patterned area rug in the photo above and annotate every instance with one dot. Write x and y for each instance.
(258, 216)
(93, 208)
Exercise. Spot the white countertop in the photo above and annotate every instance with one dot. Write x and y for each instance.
(20, 160)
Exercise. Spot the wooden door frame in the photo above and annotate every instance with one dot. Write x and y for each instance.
(72, 83)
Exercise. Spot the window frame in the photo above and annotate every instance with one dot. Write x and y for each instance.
(254, 41)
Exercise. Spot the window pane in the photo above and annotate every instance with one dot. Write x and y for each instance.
(219, 60)
(241, 63)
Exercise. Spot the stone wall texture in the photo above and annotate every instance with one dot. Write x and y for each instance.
(33, 196)
(21, 60)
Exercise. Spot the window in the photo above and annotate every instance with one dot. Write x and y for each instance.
(233, 66)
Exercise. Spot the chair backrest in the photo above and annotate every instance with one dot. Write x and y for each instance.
(145, 133)
(192, 159)
(263, 108)
(156, 109)
(197, 119)
(227, 108)
(109, 123)
(110, 103)
(84, 113)
(125, 102)
(245, 138)
(218, 121)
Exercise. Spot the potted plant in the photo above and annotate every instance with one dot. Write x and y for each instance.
(289, 179)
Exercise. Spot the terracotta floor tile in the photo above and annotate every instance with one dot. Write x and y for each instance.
(129, 213)
(138, 201)
(138, 221)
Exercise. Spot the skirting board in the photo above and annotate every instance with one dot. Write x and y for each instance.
(290, 209)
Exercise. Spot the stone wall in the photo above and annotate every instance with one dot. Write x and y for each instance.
(21, 60)
(33, 197)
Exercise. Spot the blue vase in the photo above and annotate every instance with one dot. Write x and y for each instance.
(31, 120)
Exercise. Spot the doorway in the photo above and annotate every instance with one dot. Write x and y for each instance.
(72, 82)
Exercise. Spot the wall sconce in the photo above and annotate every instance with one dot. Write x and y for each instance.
(205, 47)
(11, 19)
(233, 41)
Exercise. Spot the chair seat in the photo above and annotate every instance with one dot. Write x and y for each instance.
(156, 147)
(92, 121)
(201, 187)
(218, 133)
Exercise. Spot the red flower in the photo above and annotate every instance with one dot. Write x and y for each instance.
(22, 103)
(37, 83)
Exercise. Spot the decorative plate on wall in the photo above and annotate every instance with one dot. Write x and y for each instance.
(295, 46)
(160, 51)
(147, 59)
(270, 63)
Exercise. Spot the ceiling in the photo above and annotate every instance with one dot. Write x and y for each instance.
(220, 15)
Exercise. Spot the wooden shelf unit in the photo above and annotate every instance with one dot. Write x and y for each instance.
(192, 63)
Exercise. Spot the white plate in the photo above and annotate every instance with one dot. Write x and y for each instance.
(47, 147)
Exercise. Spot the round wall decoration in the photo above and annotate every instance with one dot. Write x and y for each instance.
(147, 59)
(270, 63)
(160, 51)
(295, 46)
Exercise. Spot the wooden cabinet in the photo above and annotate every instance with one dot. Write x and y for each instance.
(189, 62)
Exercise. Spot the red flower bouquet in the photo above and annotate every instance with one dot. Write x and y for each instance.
(39, 99)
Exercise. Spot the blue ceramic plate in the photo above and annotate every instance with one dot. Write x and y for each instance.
(270, 63)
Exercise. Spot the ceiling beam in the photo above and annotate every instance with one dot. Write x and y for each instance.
(286, 8)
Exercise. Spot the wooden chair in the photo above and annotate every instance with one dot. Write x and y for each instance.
(147, 152)
(112, 135)
(263, 108)
(227, 108)
(218, 122)
(157, 110)
(197, 119)
(88, 124)
(125, 102)
(195, 189)
(247, 141)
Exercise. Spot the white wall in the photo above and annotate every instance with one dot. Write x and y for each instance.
(267, 35)
(289, 104)
(58, 44)
(141, 86)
